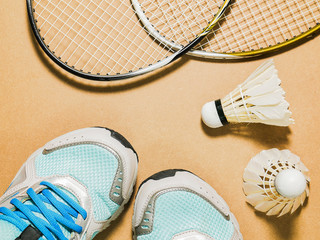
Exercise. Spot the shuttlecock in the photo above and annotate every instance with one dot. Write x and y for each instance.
(276, 182)
(260, 99)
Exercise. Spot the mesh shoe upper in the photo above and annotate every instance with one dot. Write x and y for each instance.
(72, 187)
(92, 165)
(180, 211)
(178, 205)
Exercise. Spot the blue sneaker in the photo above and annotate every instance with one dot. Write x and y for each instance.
(178, 205)
(72, 188)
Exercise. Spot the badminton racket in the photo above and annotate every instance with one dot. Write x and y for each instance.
(248, 29)
(106, 40)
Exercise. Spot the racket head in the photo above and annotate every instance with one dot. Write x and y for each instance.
(103, 40)
(248, 29)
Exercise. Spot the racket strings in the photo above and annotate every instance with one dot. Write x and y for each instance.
(114, 49)
(71, 28)
(179, 21)
(185, 13)
(99, 47)
(97, 37)
(89, 31)
(165, 12)
(270, 21)
(174, 12)
(267, 23)
(269, 33)
(250, 31)
(313, 11)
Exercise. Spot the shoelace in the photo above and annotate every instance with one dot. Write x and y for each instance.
(50, 227)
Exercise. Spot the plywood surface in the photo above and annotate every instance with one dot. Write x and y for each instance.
(160, 115)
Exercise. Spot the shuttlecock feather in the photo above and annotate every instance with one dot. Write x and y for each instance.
(276, 182)
(260, 99)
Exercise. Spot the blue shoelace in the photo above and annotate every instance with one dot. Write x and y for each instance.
(50, 228)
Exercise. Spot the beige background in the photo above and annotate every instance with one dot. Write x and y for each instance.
(160, 115)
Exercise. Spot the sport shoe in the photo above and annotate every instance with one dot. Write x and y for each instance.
(178, 205)
(72, 188)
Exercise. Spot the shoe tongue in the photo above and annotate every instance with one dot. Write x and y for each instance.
(8, 231)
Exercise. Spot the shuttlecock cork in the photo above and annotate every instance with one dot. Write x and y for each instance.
(260, 99)
(276, 182)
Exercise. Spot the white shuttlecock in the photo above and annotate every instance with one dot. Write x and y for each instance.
(276, 182)
(260, 99)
